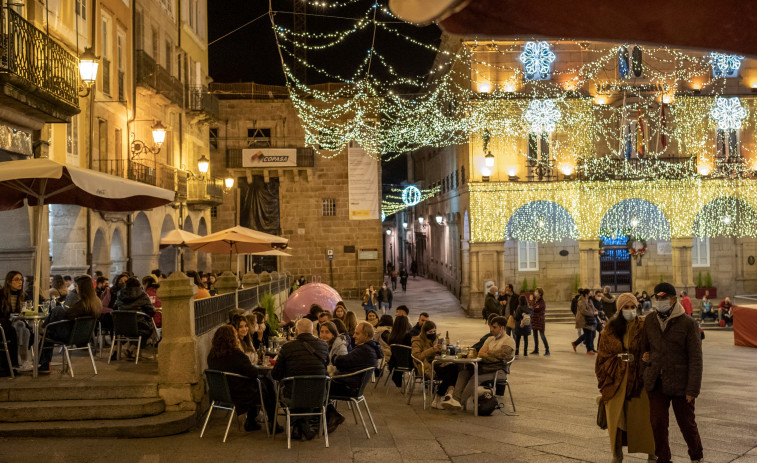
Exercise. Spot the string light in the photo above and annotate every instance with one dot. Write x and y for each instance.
(542, 115)
(394, 201)
(728, 113)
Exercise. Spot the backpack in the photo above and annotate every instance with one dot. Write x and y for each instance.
(525, 321)
(574, 305)
(487, 403)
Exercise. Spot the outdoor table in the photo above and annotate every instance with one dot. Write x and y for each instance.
(36, 319)
(453, 359)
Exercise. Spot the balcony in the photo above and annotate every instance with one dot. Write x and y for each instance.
(199, 100)
(305, 156)
(121, 90)
(143, 171)
(106, 76)
(38, 77)
(153, 76)
(204, 192)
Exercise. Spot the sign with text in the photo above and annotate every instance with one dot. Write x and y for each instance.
(269, 157)
(363, 183)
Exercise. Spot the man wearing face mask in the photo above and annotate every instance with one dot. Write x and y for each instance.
(673, 357)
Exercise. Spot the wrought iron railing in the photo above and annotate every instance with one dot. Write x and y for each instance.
(32, 55)
(305, 156)
(121, 88)
(153, 76)
(106, 76)
(145, 70)
(144, 171)
(204, 190)
(200, 100)
(181, 186)
(214, 311)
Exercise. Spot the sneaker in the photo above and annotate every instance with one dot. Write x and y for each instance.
(535, 352)
(591, 352)
(26, 366)
(44, 369)
(574, 346)
(437, 402)
(449, 403)
(546, 354)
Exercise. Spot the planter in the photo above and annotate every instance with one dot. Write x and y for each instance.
(713, 292)
(528, 295)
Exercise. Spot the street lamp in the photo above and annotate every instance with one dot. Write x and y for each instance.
(439, 219)
(229, 182)
(404, 225)
(88, 64)
(203, 164)
(389, 232)
(420, 220)
(489, 159)
(158, 138)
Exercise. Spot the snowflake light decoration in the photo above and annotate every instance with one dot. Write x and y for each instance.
(542, 115)
(537, 60)
(724, 65)
(728, 113)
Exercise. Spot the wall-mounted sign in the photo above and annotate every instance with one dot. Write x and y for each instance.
(368, 254)
(269, 157)
(364, 184)
(330, 254)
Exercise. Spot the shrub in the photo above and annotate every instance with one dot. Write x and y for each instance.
(524, 286)
(700, 282)
(268, 302)
(708, 280)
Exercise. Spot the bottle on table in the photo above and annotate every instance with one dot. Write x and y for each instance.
(458, 351)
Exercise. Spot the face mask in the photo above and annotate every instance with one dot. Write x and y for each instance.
(662, 306)
(629, 314)
(431, 337)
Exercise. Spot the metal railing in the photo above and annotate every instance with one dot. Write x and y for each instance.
(144, 171)
(214, 311)
(205, 190)
(106, 76)
(181, 186)
(155, 77)
(32, 55)
(121, 89)
(198, 99)
(305, 156)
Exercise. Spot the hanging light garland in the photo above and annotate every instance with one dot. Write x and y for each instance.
(402, 198)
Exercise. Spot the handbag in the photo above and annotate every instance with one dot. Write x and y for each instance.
(525, 321)
(511, 322)
(601, 414)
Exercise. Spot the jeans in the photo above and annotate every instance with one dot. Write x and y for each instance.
(394, 284)
(587, 338)
(384, 307)
(465, 387)
(447, 374)
(543, 338)
(659, 405)
(517, 343)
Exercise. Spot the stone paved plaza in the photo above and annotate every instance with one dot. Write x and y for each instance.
(555, 422)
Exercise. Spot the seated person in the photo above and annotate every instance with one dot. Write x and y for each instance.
(240, 323)
(426, 346)
(707, 312)
(725, 312)
(323, 317)
(416, 330)
(260, 330)
(483, 339)
(87, 304)
(496, 352)
(336, 342)
(645, 301)
(400, 334)
(226, 355)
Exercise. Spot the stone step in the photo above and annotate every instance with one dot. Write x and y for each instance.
(164, 424)
(74, 390)
(70, 410)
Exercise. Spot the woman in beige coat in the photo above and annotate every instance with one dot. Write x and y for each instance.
(618, 370)
(424, 349)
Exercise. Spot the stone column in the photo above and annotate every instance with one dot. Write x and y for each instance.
(179, 368)
(588, 251)
(683, 273)
(227, 282)
(501, 269)
(466, 273)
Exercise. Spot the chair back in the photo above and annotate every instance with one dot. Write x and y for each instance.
(82, 331)
(125, 323)
(508, 364)
(2, 334)
(305, 392)
(403, 356)
(218, 387)
(366, 380)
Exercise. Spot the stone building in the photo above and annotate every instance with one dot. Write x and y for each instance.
(334, 231)
(643, 172)
(153, 74)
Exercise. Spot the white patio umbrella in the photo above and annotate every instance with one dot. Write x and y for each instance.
(42, 181)
(238, 240)
(178, 239)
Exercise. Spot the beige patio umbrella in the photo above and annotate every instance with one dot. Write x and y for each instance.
(238, 240)
(39, 182)
(178, 239)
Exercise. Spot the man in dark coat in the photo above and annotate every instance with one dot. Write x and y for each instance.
(366, 354)
(491, 304)
(672, 352)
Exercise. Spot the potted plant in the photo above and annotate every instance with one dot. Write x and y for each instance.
(705, 287)
(525, 290)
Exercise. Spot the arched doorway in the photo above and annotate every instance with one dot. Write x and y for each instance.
(100, 254)
(142, 246)
(630, 219)
(203, 257)
(117, 265)
(168, 255)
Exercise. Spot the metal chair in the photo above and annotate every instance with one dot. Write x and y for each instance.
(403, 358)
(358, 398)
(303, 396)
(496, 384)
(126, 328)
(423, 380)
(220, 397)
(82, 331)
(7, 352)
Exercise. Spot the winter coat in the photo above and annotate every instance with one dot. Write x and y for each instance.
(423, 351)
(491, 305)
(380, 335)
(519, 312)
(370, 298)
(296, 360)
(339, 347)
(243, 392)
(363, 356)
(385, 295)
(538, 317)
(675, 353)
(585, 309)
(610, 369)
(134, 299)
(608, 304)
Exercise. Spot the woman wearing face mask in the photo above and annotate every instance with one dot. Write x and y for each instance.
(425, 348)
(618, 370)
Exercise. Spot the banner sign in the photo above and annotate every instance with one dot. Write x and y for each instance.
(269, 157)
(363, 183)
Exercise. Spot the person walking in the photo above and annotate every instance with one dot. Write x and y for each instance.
(538, 321)
(491, 305)
(403, 279)
(608, 302)
(370, 298)
(414, 269)
(586, 320)
(672, 351)
(619, 378)
(385, 298)
(522, 325)
(393, 277)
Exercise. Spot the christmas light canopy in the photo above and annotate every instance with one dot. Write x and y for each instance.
(728, 113)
